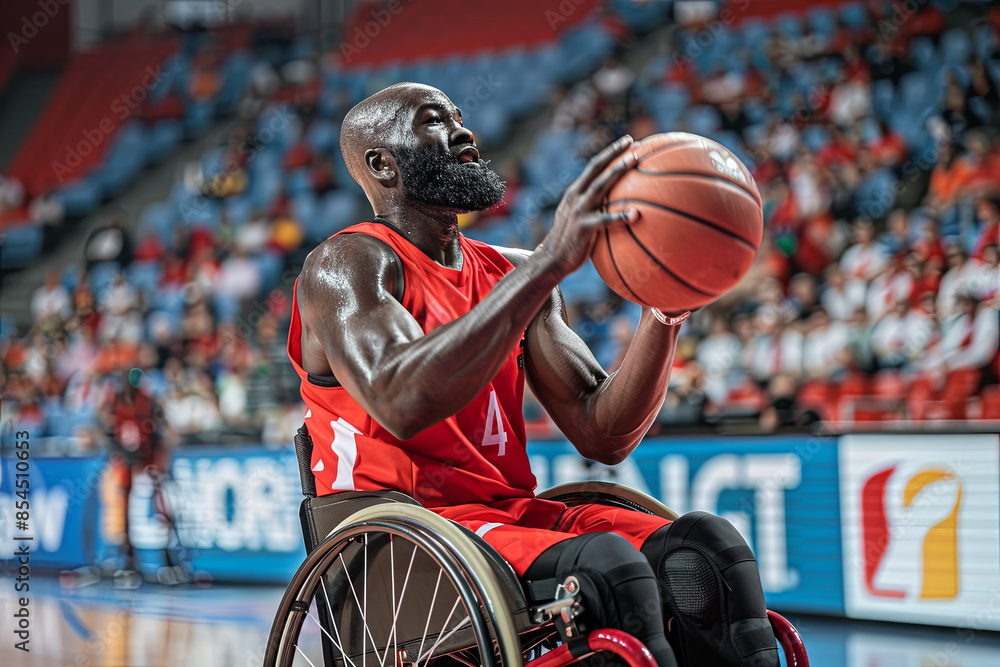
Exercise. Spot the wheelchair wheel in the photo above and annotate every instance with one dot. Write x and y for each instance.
(394, 585)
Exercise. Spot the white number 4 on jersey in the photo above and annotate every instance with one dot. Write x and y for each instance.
(494, 419)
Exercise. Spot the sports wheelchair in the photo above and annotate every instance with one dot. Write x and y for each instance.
(446, 596)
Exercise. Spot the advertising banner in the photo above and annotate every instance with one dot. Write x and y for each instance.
(63, 506)
(234, 513)
(781, 493)
(921, 529)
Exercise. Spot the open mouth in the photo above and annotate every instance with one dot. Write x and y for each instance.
(469, 154)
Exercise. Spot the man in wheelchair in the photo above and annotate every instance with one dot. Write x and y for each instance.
(413, 344)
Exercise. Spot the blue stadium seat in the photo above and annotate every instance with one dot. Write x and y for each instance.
(306, 210)
(822, 20)
(164, 137)
(584, 286)
(923, 52)
(235, 78)
(788, 24)
(270, 264)
(298, 182)
(198, 115)
(919, 91)
(101, 275)
(642, 17)
(80, 197)
(883, 94)
(985, 41)
(19, 245)
(875, 193)
(956, 47)
(702, 119)
(144, 276)
(158, 218)
(323, 136)
(815, 137)
(337, 211)
(238, 209)
(491, 122)
(124, 159)
(854, 15)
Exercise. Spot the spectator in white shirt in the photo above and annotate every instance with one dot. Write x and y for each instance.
(719, 354)
(778, 349)
(866, 258)
(240, 277)
(841, 298)
(51, 301)
(955, 280)
(888, 289)
(889, 336)
(971, 339)
(824, 346)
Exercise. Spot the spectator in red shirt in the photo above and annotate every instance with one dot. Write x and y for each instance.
(988, 212)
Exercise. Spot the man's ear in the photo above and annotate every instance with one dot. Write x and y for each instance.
(382, 166)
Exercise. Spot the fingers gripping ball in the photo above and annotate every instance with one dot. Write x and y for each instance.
(699, 228)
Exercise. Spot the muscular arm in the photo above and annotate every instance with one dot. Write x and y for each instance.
(604, 416)
(405, 380)
(408, 381)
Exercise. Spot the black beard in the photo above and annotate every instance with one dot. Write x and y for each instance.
(442, 180)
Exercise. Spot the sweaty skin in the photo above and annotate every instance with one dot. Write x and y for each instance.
(355, 328)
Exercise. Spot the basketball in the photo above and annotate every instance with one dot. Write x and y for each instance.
(699, 228)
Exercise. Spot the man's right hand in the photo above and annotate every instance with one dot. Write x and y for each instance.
(580, 216)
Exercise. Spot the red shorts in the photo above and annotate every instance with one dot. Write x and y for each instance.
(522, 528)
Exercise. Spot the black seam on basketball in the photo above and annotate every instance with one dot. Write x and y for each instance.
(703, 221)
(607, 240)
(665, 269)
(698, 174)
(661, 149)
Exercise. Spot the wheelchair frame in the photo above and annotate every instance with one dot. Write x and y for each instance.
(507, 620)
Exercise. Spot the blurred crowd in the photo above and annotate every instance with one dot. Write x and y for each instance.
(875, 292)
(879, 255)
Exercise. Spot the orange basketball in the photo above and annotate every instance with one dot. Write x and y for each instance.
(699, 227)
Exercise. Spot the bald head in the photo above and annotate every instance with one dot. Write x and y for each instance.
(408, 143)
(382, 120)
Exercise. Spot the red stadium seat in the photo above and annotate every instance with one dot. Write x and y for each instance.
(855, 384)
(990, 403)
(959, 386)
(818, 395)
(889, 384)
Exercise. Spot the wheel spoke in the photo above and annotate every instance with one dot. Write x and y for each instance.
(335, 642)
(333, 622)
(397, 607)
(303, 654)
(441, 635)
(367, 631)
(364, 610)
(429, 613)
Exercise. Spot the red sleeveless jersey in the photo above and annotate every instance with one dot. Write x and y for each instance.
(475, 456)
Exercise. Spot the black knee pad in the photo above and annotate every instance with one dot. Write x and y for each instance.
(711, 588)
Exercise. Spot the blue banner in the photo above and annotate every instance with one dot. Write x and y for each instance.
(234, 512)
(64, 510)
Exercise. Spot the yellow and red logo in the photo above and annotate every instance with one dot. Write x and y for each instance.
(919, 527)
(940, 547)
